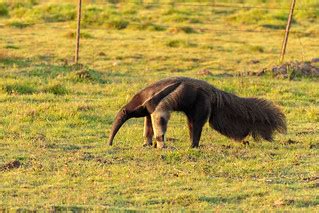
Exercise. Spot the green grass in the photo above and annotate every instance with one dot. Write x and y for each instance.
(18, 89)
(56, 117)
(4, 11)
(18, 24)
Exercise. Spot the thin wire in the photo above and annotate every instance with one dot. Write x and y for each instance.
(167, 26)
(201, 4)
(235, 6)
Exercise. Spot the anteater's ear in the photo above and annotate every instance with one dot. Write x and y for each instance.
(151, 103)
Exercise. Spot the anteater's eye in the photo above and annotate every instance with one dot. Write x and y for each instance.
(124, 111)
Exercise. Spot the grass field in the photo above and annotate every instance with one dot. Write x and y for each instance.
(56, 117)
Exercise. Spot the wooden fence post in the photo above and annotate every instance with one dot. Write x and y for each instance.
(77, 49)
(284, 43)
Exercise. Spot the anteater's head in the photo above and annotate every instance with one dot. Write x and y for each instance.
(122, 116)
(131, 110)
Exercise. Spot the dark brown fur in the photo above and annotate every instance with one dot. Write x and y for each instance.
(227, 113)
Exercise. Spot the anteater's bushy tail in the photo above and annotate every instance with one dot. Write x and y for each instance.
(237, 117)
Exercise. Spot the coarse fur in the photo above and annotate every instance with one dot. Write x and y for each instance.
(230, 115)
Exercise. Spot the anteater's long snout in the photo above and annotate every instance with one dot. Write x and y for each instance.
(120, 119)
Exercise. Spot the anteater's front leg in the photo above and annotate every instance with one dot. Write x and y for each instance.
(197, 118)
(159, 120)
(148, 131)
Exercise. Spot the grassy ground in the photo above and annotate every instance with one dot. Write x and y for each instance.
(56, 117)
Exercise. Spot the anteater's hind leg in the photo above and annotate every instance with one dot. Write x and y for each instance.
(195, 130)
(197, 118)
(148, 131)
(190, 128)
(160, 119)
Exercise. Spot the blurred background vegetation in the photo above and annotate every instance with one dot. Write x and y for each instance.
(155, 15)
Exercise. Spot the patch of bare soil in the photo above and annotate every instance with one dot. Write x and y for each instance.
(283, 202)
(296, 69)
(11, 165)
(204, 72)
(290, 141)
(313, 178)
(292, 70)
(207, 72)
